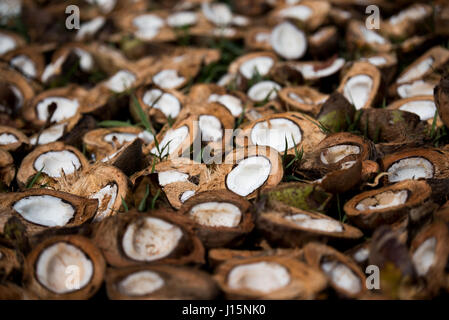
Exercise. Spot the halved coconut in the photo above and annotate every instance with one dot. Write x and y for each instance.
(416, 88)
(141, 238)
(310, 14)
(386, 205)
(27, 60)
(360, 254)
(218, 13)
(104, 142)
(429, 253)
(361, 85)
(7, 168)
(11, 139)
(221, 218)
(64, 267)
(293, 227)
(9, 41)
(423, 106)
(252, 64)
(303, 99)
(16, 92)
(169, 79)
(121, 81)
(40, 209)
(429, 62)
(48, 135)
(313, 70)
(146, 26)
(360, 37)
(232, 102)
(288, 41)
(407, 21)
(295, 129)
(55, 161)
(324, 42)
(385, 62)
(271, 277)
(344, 276)
(258, 38)
(264, 90)
(336, 112)
(66, 101)
(90, 28)
(159, 282)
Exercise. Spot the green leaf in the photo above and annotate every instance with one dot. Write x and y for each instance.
(143, 202)
(36, 176)
(114, 123)
(125, 206)
(153, 201)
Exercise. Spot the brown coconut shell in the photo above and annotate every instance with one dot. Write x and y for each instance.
(22, 139)
(324, 42)
(258, 38)
(32, 53)
(399, 103)
(11, 291)
(82, 243)
(108, 236)
(355, 39)
(7, 168)
(303, 99)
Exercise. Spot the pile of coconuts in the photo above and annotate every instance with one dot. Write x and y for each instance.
(240, 149)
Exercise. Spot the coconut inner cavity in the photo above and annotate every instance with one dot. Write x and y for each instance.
(249, 175)
(211, 129)
(337, 153)
(216, 214)
(58, 263)
(150, 239)
(121, 81)
(53, 163)
(65, 108)
(7, 138)
(383, 200)
(167, 103)
(342, 276)
(307, 222)
(45, 210)
(168, 79)
(233, 104)
(357, 90)
(264, 277)
(50, 134)
(275, 132)
(264, 90)
(410, 168)
(259, 65)
(417, 71)
(425, 109)
(141, 283)
(288, 41)
(171, 141)
(424, 257)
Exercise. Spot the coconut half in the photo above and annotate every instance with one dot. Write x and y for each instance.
(168, 79)
(415, 88)
(65, 108)
(25, 65)
(182, 19)
(216, 214)
(167, 103)
(260, 65)
(410, 168)
(150, 239)
(288, 41)
(337, 153)
(90, 28)
(264, 90)
(232, 103)
(7, 43)
(276, 133)
(357, 90)
(416, 71)
(424, 256)
(311, 72)
(57, 163)
(121, 81)
(383, 200)
(106, 199)
(49, 135)
(140, 283)
(173, 138)
(342, 276)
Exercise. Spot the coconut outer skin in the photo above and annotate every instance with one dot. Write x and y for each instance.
(334, 112)
(82, 243)
(305, 282)
(220, 236)
(108, 235)
(179, 283)
(418, 193)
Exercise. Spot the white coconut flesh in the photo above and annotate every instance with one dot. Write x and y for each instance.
(140, 283)
(90, 28)
(7, 43)
(416, 88)
(249, 175)
(264, 90)
(357, 90)
(217, 13)
(181, 19)
(168, 79)
(50, 134)
(240, 21)
(211, 128)
(424, 257)
(309, 72)
(233, 104)
(275, 132)
(300, 12)
(417, 71)
(224, 32)
(45, 210)
(146, 136)
(51, 68)
(288, 41)
(119, 138)
(171, 176)
(347, 165)
(53, 163)
(383, 200)
(86, 60)
(425, 109)
(371, 36)
(263, 37)
(64, 268)
(307, 222)
(216, 214)
(413, 13)
(167, 103)
(121, 81)
(337, 153)
(9, 9)
(342, 276)
(259, 65)
(105, 5)
(171, 141)
(106, 197)
(186, 195)
(25, 65)
(410, 168)
(263, 277)
(65, 108)
(376, 60)
(296, 98)
(361, 255)
(7, 138)
(150, 239)
(148, 26)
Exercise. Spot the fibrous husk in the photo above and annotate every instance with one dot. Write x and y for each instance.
(303, 99)
(57, 267)
(9, 262)
(7, 168)
(441, 98)
(109, 236)
(82, 209)
(210, 211)
(161, 281)
(11, 291)
(304, 282)
(386, 205)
